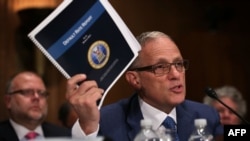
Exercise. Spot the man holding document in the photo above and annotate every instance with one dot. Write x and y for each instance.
(158, 78)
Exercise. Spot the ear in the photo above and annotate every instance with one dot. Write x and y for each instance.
(7, 99)
(133, 79)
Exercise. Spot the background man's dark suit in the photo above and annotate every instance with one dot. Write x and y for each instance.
(7, 132)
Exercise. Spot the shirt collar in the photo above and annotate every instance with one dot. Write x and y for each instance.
(155, 115)
(21, 131)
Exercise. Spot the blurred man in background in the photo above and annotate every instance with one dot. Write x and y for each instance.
(26, 100)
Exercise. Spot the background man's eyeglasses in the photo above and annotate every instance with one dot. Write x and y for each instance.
(164, 68)
(31, 92)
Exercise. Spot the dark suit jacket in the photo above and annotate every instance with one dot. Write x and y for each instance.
(121, 121)
(7, 132)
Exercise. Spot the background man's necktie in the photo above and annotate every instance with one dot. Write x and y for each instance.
(170, 124)
(31, 135)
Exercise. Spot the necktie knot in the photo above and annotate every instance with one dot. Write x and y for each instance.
(31, 135)
(169, 123)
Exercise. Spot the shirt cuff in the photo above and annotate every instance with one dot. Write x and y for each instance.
(77, 132)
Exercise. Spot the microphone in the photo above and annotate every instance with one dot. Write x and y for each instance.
(211, 93)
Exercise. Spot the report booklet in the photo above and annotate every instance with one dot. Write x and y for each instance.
(87, 36)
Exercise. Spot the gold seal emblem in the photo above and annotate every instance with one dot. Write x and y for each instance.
(98, 54)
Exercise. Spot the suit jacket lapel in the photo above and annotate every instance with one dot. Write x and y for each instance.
(134, 117)
(7, 132)
(185, 122)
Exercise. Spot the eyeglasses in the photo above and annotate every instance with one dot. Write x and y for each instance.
(31, 92)
(164, 68)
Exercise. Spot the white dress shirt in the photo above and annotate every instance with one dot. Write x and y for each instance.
(21, 131)
(155, 115)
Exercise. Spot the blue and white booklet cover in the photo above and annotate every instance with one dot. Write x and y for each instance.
(87, 36)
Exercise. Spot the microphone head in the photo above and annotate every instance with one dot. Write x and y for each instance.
(211, 93)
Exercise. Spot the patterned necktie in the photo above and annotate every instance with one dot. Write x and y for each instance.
(170, 124)
(31, 135)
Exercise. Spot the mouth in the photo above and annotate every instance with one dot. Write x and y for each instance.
(35, 108)
(177, 89)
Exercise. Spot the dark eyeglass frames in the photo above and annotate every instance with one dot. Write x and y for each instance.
(30, 93)
(164, 68)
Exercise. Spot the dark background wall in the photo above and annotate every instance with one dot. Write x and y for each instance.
(212, 34)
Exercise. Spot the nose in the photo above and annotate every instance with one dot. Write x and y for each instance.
(226, 113)
(36, 94)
